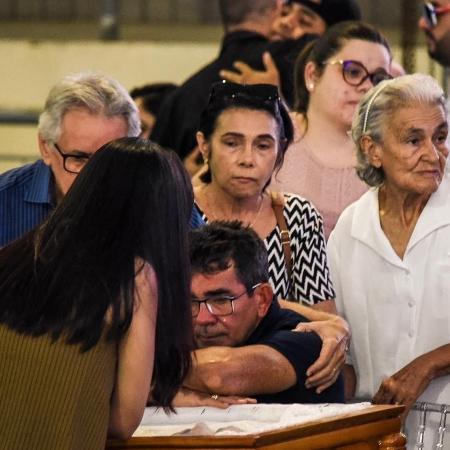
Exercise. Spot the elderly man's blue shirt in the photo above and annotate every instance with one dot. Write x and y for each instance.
(26, 200)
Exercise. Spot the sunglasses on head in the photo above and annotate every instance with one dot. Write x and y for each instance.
(431, 13)
(235, 91)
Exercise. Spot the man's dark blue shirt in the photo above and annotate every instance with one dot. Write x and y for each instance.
(300, 349)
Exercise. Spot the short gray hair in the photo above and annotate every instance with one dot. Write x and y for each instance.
(380, 104)
(97, 93)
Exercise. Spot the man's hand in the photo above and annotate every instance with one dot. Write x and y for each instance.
(190, 397)
(246, 75)
(335, 335)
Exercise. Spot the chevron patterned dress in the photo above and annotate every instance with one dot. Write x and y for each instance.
(310, 282)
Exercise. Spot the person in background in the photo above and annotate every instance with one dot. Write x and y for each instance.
(245, 343)
(435, 23)
(390, 251)
(88, 301)
(259, 39)
(300, 22)
(148, 99)
(248, 26)
(298, 18)
(82, 112)
(243, 135)
(332, 75)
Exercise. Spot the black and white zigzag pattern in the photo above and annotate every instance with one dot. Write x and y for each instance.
(311, 280)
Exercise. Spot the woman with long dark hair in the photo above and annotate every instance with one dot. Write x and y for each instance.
(89, 300)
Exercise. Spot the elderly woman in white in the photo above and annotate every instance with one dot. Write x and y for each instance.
(390, 251)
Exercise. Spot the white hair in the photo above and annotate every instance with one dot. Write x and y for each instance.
(97, 93)
(380, 104)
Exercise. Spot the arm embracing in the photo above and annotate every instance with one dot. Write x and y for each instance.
(335, 334)
(135, 359)
(312, 314)
(248, 370)
(245, 74)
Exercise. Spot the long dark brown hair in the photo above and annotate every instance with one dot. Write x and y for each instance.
(132, 201)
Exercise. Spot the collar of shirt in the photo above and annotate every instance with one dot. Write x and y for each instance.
(41, 187)
(366, 222)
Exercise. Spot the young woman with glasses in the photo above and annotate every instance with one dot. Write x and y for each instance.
(88, 303)
(332, 75)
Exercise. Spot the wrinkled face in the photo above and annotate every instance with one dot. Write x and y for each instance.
(147, 119)
(414, 151)
(82, 133)
(242, 151)
(231, 330)
(331, 95)
(296, 20)
(438, 37)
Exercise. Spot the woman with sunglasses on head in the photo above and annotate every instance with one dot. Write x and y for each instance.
(332, 75)
(243, 135)
(88, 301)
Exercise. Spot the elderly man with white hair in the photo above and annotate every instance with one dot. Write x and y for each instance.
(82, 112)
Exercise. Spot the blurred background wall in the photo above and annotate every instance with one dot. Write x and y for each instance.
(135, 41)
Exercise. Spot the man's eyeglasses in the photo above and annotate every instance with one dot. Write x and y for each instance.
(72, 163)
(431, 13)
(355, 73)
(219, 305)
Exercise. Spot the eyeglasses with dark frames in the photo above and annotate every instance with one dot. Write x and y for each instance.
(432, 11)
(72, 163)
(219, 305)
(355, 73)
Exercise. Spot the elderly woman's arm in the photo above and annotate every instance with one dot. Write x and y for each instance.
(405, 386)
(335, 334)
(135, 360)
